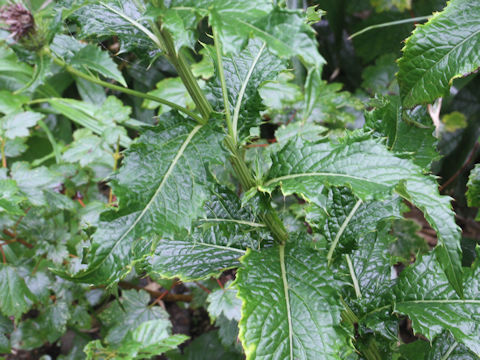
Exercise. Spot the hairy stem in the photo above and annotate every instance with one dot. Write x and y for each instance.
(269, 216)
(185, 73)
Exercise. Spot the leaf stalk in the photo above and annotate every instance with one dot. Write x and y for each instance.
(124, 90)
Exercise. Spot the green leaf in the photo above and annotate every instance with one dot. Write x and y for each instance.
(372, 267)
(10, 197)
(291, 309)
(380, 78)
(280, 93)
(371, 171)
(454, 121)
(224, 302)
(87, 149)
(207, 347)
(445, 347)
(236, 68)
(11, 103)
(17, 125)
(149, 339)
(425, 295)
(161, 188)
(440, 51)
(35, 182)
(216, 244)
(325, 103)
(171, 89)
(473, 192)
(127, 314)
(100, 22)
(6, 327)
(98, 119)
(93, 58)
(409, 133)
(15, 298)
(181, 18)
(285, 31)
(408, 243)
(342, 218)
(14, 74)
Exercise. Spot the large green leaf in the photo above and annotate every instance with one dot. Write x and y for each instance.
(216, 244)
(370, 170)
(15, 298)
(161, 188)
(291, 309)
(425, 295)
(285, 31)
(439, 51)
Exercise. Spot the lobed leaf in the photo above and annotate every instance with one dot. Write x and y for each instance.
(425, 295)
(161, 188)
(371, 171)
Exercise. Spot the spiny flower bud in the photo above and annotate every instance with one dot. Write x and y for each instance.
(19, 20)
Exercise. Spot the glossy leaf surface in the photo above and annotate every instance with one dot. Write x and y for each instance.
(439, 51)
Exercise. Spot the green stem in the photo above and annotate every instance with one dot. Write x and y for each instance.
(391, 23)
(139, 94)
(449, 351)
(40, 161)
(348, 315)
(269, 216)
(51, 139)
(226, 103)
(185, 73)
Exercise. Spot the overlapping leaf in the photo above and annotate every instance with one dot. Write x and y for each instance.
(370, 170)
(161, 188)
(410, 133)
(350, 223)
(217, 242)
(291, 309)
(440, 51)
(424, 294)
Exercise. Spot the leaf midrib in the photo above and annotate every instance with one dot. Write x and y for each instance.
(179, 154)
(434, 66)
(293, 176)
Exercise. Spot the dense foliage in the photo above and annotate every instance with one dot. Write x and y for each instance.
(229, 179)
